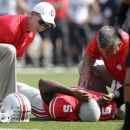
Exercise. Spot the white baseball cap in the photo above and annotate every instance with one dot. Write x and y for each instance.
(89, 111)
(47, 12)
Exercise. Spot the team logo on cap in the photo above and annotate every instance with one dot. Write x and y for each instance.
(52, 12)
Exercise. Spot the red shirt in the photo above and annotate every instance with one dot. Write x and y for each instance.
(66, 108)
(115, 65)
(13, 30)
(62, 12)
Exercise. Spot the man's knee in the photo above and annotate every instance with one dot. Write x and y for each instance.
(7, 50)
(11, 49)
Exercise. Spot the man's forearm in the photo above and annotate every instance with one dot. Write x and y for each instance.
(88, 63)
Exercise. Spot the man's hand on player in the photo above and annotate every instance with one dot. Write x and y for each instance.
(84, 80)
(105, 99)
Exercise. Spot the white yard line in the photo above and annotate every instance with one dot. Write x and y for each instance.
(46, 70)
(16, 129)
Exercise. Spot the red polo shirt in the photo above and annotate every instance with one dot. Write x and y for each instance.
(13, 30)
(115, 65)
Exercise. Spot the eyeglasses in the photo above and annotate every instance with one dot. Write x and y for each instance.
(42, 23)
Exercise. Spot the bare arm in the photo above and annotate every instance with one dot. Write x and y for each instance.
(88, 63)
(49, 89)
(85, 75)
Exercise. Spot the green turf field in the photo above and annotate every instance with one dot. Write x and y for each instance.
(70, 79)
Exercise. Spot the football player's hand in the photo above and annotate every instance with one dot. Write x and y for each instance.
(81, 95)
(105, 99)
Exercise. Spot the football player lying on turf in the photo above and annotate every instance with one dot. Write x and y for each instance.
(62, 103)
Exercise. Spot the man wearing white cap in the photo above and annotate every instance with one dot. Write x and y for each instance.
(16, 33)
(47, 13)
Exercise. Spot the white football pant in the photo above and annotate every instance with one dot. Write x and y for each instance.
(35, 99)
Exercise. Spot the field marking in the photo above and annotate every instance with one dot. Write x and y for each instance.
(16, 129)
(46, 70)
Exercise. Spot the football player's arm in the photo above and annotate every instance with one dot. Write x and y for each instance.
(49, 89)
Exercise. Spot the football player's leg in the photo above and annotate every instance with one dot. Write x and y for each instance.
(35, 99)
(28, 91)
(38, 109)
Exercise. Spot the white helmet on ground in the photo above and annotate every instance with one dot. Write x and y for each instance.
(89, 111)
(17, 106)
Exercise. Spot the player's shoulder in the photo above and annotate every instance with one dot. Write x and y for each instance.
(63, 108)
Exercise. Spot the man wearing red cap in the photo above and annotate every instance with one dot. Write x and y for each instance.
(16, 33)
